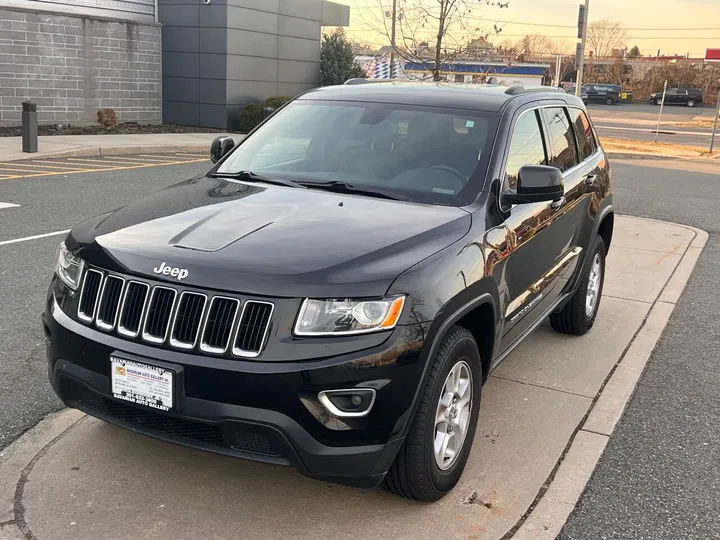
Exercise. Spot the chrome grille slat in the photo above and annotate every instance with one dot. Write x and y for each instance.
(87, 304)
(132, 308)
(158, 315)
(219, 323)
(187, 320)
(163, 315)
(253, 328)
(109, 303)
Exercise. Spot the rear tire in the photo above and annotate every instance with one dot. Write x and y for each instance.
(576, 317)
(416, 474)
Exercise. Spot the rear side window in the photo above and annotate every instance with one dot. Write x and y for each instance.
(561, 141)
(584, 133)
(526, 146)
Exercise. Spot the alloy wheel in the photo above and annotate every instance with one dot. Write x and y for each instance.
(452, 415)
(593, 288)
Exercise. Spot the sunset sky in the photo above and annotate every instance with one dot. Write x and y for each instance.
(673, 26)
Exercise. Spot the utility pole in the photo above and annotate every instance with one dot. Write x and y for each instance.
(392, 40)
(580, 53)
(715, 125)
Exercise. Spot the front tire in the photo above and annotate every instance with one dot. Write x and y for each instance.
(578, 316)
(610, 101)
(441, 434)
(691, 103)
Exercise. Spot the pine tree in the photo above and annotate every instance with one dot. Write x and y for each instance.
(337, 61)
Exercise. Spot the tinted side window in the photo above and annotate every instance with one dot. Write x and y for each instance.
(584, 133)
(562, 150)
(526, 146)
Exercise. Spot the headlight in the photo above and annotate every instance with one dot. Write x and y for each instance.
(69, 267)
(344, 316)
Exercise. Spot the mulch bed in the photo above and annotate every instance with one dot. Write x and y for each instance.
(126, 128)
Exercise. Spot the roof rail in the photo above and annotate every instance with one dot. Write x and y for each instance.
(517, 89)
(370, 81)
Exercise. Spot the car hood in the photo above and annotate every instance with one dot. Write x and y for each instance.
(268, 240)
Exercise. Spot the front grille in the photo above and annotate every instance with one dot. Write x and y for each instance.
(109, 302)
(158, 314)
(185, 320)
(132, 309)
(254, 325)
(219, 324)
(89, 295)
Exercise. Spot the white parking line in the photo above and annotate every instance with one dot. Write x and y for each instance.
(8, 205)
(35, 237)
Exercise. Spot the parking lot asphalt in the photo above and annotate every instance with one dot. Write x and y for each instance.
(43, 205)
(659, 478)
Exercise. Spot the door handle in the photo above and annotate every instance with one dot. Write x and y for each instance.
(557, 204)
(590, 178)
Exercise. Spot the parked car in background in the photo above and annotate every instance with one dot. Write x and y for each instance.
(602, 93)
(678, 96)
(610, 94)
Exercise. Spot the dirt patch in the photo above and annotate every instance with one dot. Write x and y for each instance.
(650, 148)
(126, 128)
(704, 123)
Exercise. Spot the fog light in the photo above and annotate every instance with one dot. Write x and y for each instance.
(348, 403)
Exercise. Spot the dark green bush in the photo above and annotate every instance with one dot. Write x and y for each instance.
(277, 101)
(251, 116)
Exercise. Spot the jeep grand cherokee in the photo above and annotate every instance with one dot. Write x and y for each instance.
(334, 292)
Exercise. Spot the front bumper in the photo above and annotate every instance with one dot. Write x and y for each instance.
(265, 411)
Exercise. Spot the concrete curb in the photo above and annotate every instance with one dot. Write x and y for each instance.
(96, 151)
(549, 514)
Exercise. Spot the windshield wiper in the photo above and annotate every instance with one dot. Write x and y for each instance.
(250, 176)
(343, 187)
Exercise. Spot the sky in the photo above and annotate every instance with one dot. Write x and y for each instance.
(673, 26)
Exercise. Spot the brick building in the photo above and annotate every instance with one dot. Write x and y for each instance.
(190, 62)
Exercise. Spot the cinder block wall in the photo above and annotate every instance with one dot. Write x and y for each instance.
(73, 65)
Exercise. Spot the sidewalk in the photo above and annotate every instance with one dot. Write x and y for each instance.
(548, 411)
(98, 145)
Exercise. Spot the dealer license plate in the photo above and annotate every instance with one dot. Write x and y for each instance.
(151, 386)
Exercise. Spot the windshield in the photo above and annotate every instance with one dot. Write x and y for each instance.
(424, 154)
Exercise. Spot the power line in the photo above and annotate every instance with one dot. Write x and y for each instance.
(599, 27)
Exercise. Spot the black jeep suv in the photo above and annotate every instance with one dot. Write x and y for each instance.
(334, 292)
(678, 96)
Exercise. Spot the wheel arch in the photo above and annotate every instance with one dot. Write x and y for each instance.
(468, 312)
(606, 227)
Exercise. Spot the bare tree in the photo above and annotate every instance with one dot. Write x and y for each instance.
(433, 32)
(604, 36)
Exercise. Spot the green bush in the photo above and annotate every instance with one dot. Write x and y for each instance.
(277, 101)
(254, 113)
(251, 116)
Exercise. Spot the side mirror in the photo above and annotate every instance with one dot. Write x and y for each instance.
(536, 183)
(220, 147)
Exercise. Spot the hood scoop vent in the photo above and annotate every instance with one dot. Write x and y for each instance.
(223, 228)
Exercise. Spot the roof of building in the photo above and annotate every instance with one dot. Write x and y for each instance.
(489, 98)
